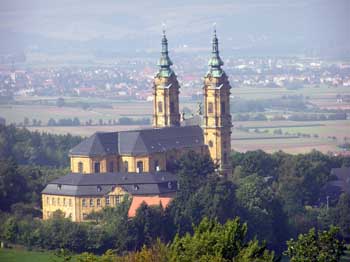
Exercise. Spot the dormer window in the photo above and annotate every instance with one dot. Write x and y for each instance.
(80, 167)
(97, 167)
(99, 188)
(111, 167)
(136, 187)
(170, 186)
(139, 165)
(59, 186)
(126, 166)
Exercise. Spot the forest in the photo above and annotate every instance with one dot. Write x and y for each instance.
(270, 206)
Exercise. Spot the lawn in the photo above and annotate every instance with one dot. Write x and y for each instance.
(19, 255)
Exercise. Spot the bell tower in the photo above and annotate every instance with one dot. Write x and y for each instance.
(217, 118)
(165, 92)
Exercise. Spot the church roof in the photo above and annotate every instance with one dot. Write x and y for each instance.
(140, 142)
(99, 144)
(101, 184)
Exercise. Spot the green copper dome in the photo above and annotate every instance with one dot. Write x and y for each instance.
(215, 61)
(164, 62)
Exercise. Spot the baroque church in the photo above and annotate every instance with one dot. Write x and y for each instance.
(110, 166)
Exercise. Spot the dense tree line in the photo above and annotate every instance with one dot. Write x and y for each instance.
(269, 192)
(277, 195)
(34, 148)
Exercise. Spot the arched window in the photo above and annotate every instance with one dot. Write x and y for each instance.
(111, 166)
(160, 107)
(97, 167)
(210, 107)
(126, 166)
(91, 202)
(98, 202)
(139, 165)
(80, 167)
(156, 165)
(83, 202)
(211, 143)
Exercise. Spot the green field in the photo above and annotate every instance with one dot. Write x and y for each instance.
(19, 255)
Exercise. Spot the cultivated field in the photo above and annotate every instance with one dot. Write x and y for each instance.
(289, 136)
(296, 137)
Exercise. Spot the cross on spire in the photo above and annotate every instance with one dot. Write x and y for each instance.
(164, 61)
(215, 61)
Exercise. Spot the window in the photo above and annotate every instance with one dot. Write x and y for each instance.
(80, 167)
(139, 166)
(160, 107)
(53, 201)
(111, 166)
(91, 202)
(210, 108)
(170, 186)
(70, 215)
(83, 202)
(223, 109)
(84, 216)
(99, 188)
(48, 200)
(136, 187)
(58, 201)
(211, 143)
(64, 202)
(172, 107)
(107, 201)
(98, 202)
(126, 166)
(118, 199)
(70, 202)
(97, 167)
(156, 165)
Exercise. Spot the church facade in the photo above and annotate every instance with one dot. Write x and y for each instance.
(110, 166)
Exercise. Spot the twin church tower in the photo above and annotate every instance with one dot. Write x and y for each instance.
(216, 121)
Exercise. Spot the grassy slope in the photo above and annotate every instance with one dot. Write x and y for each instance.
(16, 255)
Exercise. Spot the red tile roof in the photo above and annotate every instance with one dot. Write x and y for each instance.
(149, 200)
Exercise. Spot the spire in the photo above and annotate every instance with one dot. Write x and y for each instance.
(164, 61)
(215, 61)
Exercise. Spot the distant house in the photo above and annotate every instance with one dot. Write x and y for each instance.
(2, 121)
(339, 184)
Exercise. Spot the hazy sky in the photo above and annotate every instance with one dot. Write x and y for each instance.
(242, 24)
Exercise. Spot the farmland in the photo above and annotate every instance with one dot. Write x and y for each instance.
(289, 136)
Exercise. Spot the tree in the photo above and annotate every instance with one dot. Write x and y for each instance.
(193, 170)
(342, 215)
(315, 246)
(212, 241)
(10, 230)
(12, 185)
